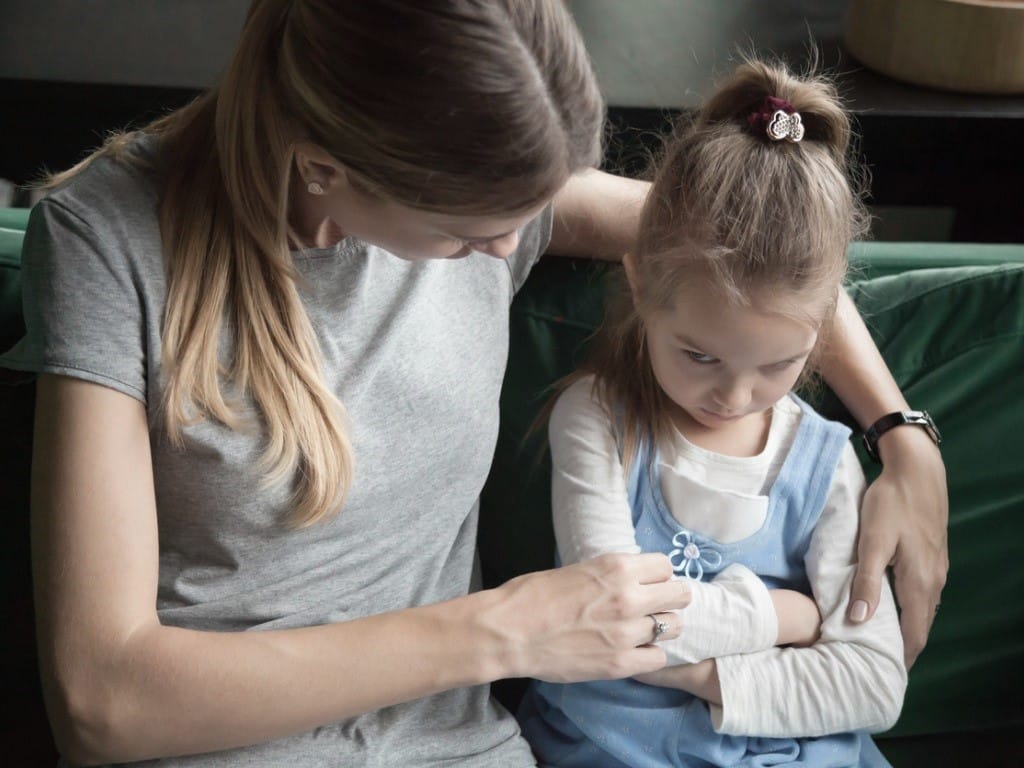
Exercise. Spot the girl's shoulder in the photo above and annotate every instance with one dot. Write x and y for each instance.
(580, 397)
(580, 409)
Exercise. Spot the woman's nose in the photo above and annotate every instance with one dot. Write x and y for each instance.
(500, 247)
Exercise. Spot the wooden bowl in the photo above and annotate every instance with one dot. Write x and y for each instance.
(958, 45)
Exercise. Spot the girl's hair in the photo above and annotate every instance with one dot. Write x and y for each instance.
(470, 107)
(745, 215)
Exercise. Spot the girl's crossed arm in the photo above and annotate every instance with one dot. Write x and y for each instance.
(734, 614)
(852, 678)
(757, 689)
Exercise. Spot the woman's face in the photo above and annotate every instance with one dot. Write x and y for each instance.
(339, 209)
(414, 234)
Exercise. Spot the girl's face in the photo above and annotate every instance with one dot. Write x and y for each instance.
(721, 363)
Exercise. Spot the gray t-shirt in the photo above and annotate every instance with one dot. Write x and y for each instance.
(416, 352)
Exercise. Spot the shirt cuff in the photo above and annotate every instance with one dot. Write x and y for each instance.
(732, 614)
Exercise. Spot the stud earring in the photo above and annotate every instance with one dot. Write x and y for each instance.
(314, 188)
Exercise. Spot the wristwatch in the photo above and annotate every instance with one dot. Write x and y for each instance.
(898, 419)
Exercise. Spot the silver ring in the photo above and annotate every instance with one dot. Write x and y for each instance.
(660, 627)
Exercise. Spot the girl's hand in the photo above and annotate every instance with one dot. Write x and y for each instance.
(700, 679)
(799, 617)
(903, 524)
(586, 621)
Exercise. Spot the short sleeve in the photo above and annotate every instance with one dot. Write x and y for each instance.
(533, 241)
(82, 305)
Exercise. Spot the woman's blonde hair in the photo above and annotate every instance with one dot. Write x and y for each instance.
(744, 214)
(470, 107)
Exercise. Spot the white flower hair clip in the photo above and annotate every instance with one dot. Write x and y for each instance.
(778, 120)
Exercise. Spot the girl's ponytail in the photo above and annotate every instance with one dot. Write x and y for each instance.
(814, 98)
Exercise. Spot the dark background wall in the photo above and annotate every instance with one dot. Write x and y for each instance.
(944, 166)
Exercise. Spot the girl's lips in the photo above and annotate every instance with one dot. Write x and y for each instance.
(719, 416)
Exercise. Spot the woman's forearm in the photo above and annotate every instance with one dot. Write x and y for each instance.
(905, 511)
(597, 215)
(163, 691)
(855, 370)
(168, 691)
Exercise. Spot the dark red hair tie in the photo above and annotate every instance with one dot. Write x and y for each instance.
(777, 119)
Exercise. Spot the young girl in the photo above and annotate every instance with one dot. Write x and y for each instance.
(681, 436)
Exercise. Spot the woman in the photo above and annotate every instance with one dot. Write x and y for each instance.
(268, 400)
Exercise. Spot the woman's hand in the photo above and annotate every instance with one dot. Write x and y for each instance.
(587, 621)
(903, 524)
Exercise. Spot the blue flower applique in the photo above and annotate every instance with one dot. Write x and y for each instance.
(690, 559)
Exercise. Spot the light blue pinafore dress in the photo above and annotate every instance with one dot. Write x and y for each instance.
(627, 724)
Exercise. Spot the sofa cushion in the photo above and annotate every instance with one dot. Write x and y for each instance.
(11, 325)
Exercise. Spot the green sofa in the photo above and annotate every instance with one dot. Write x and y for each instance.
(949, 319)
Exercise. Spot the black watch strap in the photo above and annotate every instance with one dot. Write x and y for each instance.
(898, 419)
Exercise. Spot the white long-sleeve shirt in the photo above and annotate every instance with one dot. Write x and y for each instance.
(853, 678)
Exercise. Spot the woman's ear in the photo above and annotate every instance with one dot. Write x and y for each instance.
(316, 167)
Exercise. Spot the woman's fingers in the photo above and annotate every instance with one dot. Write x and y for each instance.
(666, 596)
(649, 567)
(654, 627)
(596, 619)
(643, 581)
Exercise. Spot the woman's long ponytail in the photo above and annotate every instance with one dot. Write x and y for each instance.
(231, 264)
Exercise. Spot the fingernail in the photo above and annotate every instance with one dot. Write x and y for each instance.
(858, 611)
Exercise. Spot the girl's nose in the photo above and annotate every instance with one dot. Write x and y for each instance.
(734, 397)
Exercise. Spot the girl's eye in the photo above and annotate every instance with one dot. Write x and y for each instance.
(700, 357)
(783, 366)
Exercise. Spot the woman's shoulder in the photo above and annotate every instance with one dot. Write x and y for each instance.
(114, 196)
(102, 221)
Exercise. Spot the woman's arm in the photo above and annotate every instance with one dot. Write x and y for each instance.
(906, 510)
(119, 686)
(596, 215)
